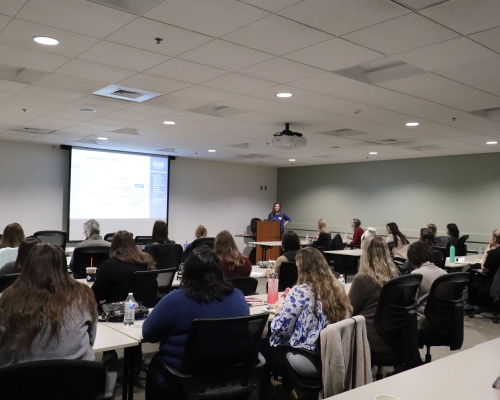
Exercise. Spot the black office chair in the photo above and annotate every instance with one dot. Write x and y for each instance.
(57, 380)
(444, 313)
(55, 237)
(221, 359)
(442, 241)
(253, 225)
(396, 322)
(167, 255)
(109, 236)
(287, 276)
(461, 247)
(208, 241)
(145, 285)
(143, 240)
(439, 254)
(246, 284)
(7, 280)
(81, 259)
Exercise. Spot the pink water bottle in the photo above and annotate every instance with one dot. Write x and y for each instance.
(272, 290)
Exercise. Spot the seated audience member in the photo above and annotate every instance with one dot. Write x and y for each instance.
(46, 314)
(200, 232)
(421, 258)
(433, 228)
(369, 232)
(322, 240)
(358, 232)
(114, 278)
(203, 293)
(92, 232)
(160, 233)
(427, 236)
(14, 267)
(290, 243)
(376, 268)
(12, 237)
(453, 232)
(234, 264)
(402, 243)
(317, 300)
(480, 282)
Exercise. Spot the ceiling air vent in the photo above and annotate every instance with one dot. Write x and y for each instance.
(26, 129)
(126, 93)
(132, 6)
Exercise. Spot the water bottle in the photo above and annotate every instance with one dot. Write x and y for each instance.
(129, 315)
(480, 252)
(452, 254)
(342, 280)
(307, 237)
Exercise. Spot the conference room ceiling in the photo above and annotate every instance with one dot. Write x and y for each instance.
(358, 70)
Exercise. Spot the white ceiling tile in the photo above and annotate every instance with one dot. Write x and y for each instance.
(175, 102)
(50, 123)
(12, 136)
(185, 71)
(482, 74)
(5, 96)
(342, 16)
(26, 58)
(401, 34)
(239, 83)
(118, 55)
(327, 83)
(12, 87)
(141, 33)
(280, 70)
(4, 20)
(272, 6)
(99, 102)
(154, 83)
(75, 16)
(246, 103)
(270, 94)
(444, 91)
(446, 54)
(24, 101)
(21, 33)
(95, 72)
(334, 54)
(11, 7)
(52, 94)
(147, 109)
(69, 83)
(466, 16)
(276, 35)
(225, 55)
(214, 18)
(204, 94)
(489, 38)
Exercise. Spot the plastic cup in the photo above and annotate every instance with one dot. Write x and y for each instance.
(91, 273)
(461, 259)
(272, 291)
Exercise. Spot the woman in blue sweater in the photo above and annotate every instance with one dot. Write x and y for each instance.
(203, 293)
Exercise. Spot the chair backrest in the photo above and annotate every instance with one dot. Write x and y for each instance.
(53, 379)
(109, 236)
(287, 276)
(253, 225)
(81, 259)
(439, 254)
(460, 246)
(143, 240)
(55, 237)
(391, 245)
(167, 255)
(246, 284)
(144, 286)
(396, 315)
(336, 243)
(7, 280)
(442, 241)
(208, 241)
(444, 309)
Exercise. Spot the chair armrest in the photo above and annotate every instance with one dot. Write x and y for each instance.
(109, 388)
(262, 361)
(173, 371)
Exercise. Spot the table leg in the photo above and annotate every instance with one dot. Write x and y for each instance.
(264, 252)
(128, 373)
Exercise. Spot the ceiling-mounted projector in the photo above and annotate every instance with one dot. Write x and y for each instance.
(287, 139)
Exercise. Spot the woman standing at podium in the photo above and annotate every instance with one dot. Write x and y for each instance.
(279, 216)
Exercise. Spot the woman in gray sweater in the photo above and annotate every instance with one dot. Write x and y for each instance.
(46, 314)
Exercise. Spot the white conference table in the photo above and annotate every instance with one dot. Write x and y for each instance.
(467, 261)
(349, 252)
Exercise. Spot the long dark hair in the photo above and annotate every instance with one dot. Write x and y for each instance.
(37, 302)
(160, 232)
(202, 278)
(427, 236)
(290, 241)
(13, 235)
(396, 234)
(22, 253)
(123, 248)
(453, 230)
(277, 213)
(419, 253)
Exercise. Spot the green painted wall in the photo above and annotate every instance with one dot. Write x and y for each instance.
(412, 193)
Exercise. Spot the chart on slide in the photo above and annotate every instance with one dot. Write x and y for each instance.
(114, 185)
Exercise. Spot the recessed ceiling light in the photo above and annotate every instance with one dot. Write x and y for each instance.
(169, 122)
(102, 138)
(87, 110)
(373, 152)
(46, 40)
(284, 94)
(211, 151)
(291, 159)
(491, 142)
(412, 124)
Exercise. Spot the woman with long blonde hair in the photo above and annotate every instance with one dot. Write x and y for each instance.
(322, 240)
(375, 269)
(234, 264)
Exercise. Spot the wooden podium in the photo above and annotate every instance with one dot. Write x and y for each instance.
(268, 231)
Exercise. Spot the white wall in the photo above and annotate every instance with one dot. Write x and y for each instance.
(34, 179)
